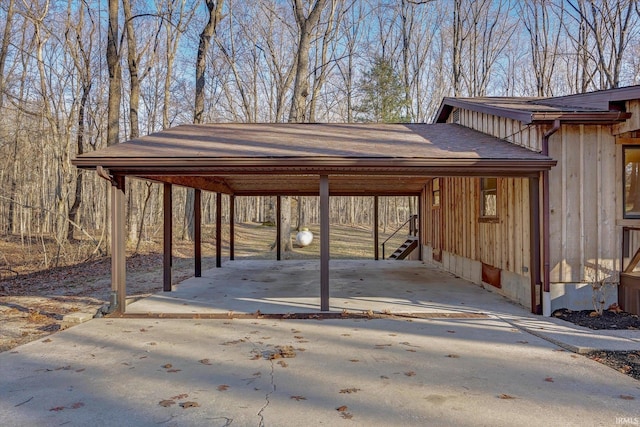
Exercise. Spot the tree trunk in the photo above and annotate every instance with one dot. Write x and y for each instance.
(115, 76)
(301, 82)
(215, 13)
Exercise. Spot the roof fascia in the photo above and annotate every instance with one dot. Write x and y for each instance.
(530, 117)
(598, 100)
(447, 105)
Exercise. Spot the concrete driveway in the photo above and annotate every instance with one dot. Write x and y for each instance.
(455, 354)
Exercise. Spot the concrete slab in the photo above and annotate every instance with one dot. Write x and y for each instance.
(294, 287)
(378, 372)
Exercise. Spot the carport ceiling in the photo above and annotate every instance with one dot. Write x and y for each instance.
(360, 159)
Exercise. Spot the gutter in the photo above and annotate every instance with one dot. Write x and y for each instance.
(546, 263)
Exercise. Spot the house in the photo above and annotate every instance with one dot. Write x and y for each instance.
(590, 201)
(533, 197)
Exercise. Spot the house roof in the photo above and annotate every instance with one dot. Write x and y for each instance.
(249, 159)
(601, 107)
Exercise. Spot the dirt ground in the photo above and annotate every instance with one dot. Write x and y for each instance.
(34, 301)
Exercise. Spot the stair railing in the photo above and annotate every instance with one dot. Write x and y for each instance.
(413, 230)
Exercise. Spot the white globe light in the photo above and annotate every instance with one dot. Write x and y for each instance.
(304, 237)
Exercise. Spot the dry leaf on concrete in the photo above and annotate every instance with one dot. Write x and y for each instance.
(186, 405)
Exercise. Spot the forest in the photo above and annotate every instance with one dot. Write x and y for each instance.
(80, 75)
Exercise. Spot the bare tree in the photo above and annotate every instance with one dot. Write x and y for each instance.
(214, 7)
(544, 39)
(607, 25)
(79, 44)
(306, 25)
(115, 74)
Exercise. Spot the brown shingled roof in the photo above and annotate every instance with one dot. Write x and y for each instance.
(601, 107)
(246, 159)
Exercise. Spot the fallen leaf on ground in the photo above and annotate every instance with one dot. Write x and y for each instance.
(180, 396)
(173, 370)
(205, 361)
(505, 396)
(77, 405)
(626, 397)
(223, 387)
(384, 377)
(342, 408)
(353, 360)
(285, 351)
(452, 332)
(549, 379)
(410, 373)
(298, 398)
(453, 356)
(167, 366)
(282, 363)
(47, 340)
(349, 390)
(186, 405)
(57, 408)
(166, 403)
(523, 342)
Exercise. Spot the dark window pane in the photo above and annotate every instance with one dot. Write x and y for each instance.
(632, 182)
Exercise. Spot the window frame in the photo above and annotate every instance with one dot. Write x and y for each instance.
(484, 217)
(625, 214)
(435, 192)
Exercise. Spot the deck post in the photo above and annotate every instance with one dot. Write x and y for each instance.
(118, 249)
(232, 227)
(534, 224)
(376, 231)
(197, 238)
(218, 230)
(278, 228)
(167, 237)
(324, 242)
(419, 225)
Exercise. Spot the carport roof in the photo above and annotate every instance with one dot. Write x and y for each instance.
(247, 159)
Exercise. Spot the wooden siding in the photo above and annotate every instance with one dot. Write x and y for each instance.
(503, 243)
(585, 240)
(508, 129)
(585, 194)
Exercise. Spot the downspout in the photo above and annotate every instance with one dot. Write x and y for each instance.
(546, 263)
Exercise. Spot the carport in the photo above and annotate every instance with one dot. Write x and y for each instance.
(304, 159)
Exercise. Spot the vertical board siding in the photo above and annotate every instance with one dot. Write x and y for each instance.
(508, 129)
(503, 244)
(584, 201)
(584, 238)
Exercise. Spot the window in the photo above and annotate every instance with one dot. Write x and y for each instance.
(489, 198)
(631, 181)
(435, 192)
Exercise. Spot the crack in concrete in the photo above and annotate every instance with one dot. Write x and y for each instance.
(267, 396)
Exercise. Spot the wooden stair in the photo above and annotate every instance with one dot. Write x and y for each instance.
(405, 249)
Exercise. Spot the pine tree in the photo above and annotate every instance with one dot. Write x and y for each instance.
(383, 94)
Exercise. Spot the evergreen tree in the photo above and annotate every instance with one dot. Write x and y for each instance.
(383, 94)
